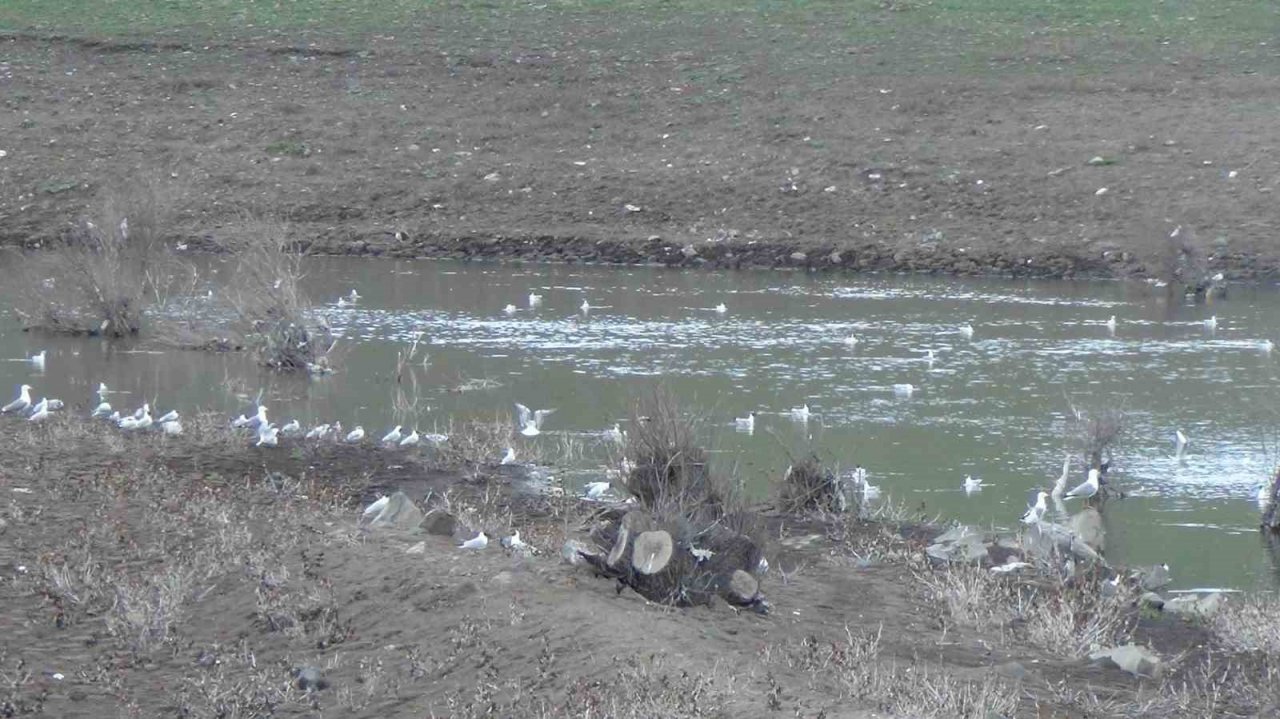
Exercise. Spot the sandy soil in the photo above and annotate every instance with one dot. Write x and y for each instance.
(602, 147)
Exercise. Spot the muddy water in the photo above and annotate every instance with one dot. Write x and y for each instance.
(993, 406)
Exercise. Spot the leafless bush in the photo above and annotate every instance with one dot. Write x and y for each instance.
(108, 271)
(266, 296)
(1249, 623)
(1177, 257)
(809, 485)
(1271, 512)
(1096, 431)
(670, 468)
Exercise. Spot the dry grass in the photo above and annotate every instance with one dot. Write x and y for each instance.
(809, 485)
(1095, 432)
(1249, 623)
(108, 271)
(266, 296)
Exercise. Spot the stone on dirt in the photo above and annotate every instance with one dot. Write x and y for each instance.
(959, 544)
(310, 678)
(1194, 606)
(1138, 661)
(399, 514)
(1087, 525)
(441, 523)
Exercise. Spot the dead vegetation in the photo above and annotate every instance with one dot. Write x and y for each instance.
(108, 271)
(1095, 432)
(810, 485)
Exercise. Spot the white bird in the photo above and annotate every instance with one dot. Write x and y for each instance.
(479, 542)
(41, 411)
(102, 391)
(436, 438)
(392, 437)
(410, 440)
(801, 414)
(967, 330)
(1060, 485)
(1111, 323)
(904, 390)
(356, 434)
(170, 416)
(56, 404)
(972, 485)
(1085, 489)
(720, 308)
(21, 403)
(869, 490)
(1211, 324)
(509, 457)
(746, 424)
(136, 422)
(595, 490)
(1266, 345)
(260, 418)
(585, 307)
(615, 434)
(268, 435)
(291, 427)
(317, 432)
(514, 542)
(509, 309)
(530, 423)
(1035, 512)
(342, 302)
(127, 422)
(38, 359)
(534, 300)
(375, 509)
(172, 429)
(353, 296)
(1263, 496)
(241, 422)
(1180, 442)
(115, 418)
(145, 409)
(1010, 566)
(851, 341)
(929, 358)
(102, 410)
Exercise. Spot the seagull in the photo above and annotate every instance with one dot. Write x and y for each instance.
(1211, 324)
(595, 490)
(170, 416)
(1035, 512)
(56, 404)
(509, 309)
(1180, 442)
(41, 411)
(1010, 566)
(929, 358)
(800, 414)
(292, 427)
(972, 485)
(479, 542)
(530, 423)
(375, 509)
(436, 438)
(260, 418)
(1111, 323)
(356, 434)
(268, 435)
(509, 457)
(1087, 488)
(514, 542)
(904, 390)
(1060, 485)
(317, 432)
(967, 331)
(614, 434)
(392, 437)
(869, 490)
(721, 309)
(1266, 346)
(851, 341)
(102, 410)
(1263, 496)
(21, 403)
(585, 307)
(746, 424)
(115, 418)
(534, 300)
(172, 429)
(136, 422)
(145, 409)
(38, 359)
(353, 296)
(410, 440)
(102, 390)
(342, 302)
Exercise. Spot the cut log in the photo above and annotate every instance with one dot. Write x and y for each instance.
(742, 589)
(619, 545)
(652, 551)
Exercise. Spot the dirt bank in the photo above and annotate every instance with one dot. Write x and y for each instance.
(592, 145)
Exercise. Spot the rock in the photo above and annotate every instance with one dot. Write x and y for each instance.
(1087, 526)
(572, 551)
(959, 544)
(1138, 661)
(1045, 539)
(835, 258)
(441, 523)
(3, 525)
(1194, 606)
(419, 548)
(798, 257)
(1152, 578)
(400, 514)
(1012, 670)
(1151, 600)
(689, 251)
(310, 678)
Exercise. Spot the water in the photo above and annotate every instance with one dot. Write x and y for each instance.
(994, 406)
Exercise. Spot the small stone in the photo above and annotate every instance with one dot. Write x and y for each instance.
(400, 513)
(689, 251)
(1151, 600)
(798, 257)
(1101, 191)
(419, 548)
(1012, 670)
(440, 522)
(310, 678)
(835, 258)
(1193, 606)
(1138, 661)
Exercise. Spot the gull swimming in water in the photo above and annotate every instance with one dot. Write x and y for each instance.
(1035, 512)
(967, 330)
(392, 437)
(595, 490)
(1180, 442)
(1211, 324)
(904, 390)
(801, 414)
(38, 359)
(929, 357)
(585, 307)
(972, 485)
(745, 424)
(615, 434)
(353, 296)
(1263, 496)
(355, 435)
(1085, 489)
(342, 302)
(1111, 324)
(721, 309)
(1060, 485)
(530, 423)
(21, 403)
(534, 300)
(509, 309)
(410, 440)
(509, 457)
(480, 541)
(851, 341)
(1266, 346)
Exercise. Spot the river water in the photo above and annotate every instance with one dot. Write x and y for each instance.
(995, 406)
